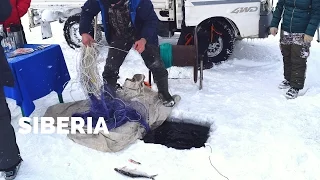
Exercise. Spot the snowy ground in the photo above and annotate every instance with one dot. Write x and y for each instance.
(255, 134)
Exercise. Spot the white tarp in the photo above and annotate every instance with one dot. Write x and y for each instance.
(118, 138)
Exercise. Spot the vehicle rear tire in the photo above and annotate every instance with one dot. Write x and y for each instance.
(71, 31)
(218, 47)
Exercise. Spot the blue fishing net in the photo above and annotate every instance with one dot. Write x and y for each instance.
(114, 110)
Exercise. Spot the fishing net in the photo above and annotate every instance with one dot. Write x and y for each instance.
(103, 99)
(88, 72)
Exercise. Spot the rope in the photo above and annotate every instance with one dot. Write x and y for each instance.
(188, 39)
(102, 101)
(213, 30)
(166, 54)
(213, 165)
(90, 79)
(102, 45)
(87, 68)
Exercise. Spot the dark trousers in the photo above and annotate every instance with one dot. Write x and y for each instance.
(9, 151)
(295, 53)
(151, 57)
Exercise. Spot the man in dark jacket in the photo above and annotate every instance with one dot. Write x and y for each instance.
(127, 23)
(301, 19)
(10, 159)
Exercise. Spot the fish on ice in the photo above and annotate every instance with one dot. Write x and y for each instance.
(133, 173)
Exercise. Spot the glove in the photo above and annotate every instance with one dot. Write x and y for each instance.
(274, 31)
(307, 38)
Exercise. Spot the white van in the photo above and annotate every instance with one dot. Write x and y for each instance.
(223, 21)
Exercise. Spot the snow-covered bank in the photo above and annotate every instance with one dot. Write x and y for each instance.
(255, 134)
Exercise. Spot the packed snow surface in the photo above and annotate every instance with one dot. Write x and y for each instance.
(256, 133)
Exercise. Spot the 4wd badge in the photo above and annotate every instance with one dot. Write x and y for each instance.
(244, 10)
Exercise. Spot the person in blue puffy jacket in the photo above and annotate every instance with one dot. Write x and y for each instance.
(300, 21)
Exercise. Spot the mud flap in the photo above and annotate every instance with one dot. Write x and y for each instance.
(46, 30)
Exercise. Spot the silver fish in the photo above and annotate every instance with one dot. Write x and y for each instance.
(133, 173)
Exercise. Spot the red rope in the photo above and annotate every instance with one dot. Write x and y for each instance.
(212, 31)
(188, 39)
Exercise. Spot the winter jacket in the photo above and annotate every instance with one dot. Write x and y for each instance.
(142, 15)
(19, 9)
(299, 16)
(6, 77)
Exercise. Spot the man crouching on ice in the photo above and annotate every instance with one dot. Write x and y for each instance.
(127, 23)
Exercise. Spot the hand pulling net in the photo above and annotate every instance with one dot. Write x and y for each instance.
(102, 98)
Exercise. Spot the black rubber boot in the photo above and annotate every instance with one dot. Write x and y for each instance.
(11, 173)
(164, 94)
